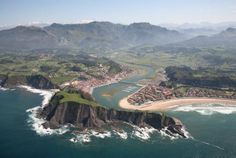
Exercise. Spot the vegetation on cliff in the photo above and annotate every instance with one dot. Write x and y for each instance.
(74, 97)
(201, 77)
(71, 108)
(36, 81)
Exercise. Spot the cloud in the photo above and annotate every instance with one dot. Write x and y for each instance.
(85, 21)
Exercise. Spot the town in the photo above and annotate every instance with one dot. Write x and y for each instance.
(150, 93)
(154, 92)
(86, 83)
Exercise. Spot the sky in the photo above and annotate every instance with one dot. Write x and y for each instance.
(25, 12)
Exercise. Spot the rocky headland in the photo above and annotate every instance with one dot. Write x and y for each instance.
(65, 108)
(35, 81)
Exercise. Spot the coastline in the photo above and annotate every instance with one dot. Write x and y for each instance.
(110, 82)
(101, 85)
(4, 89)
(47, 94)
(165, 105)
(37, 122)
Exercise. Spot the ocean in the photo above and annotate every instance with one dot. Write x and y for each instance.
(211, 129)
(213, 135)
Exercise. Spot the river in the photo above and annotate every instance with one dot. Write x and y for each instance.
(213, 133)
(110, 95)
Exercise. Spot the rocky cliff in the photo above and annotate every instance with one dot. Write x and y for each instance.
(86, 116)
(40, 82)
(36, 81)
(3, 79)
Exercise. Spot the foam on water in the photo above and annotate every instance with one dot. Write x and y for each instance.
(208, 144)
(102, 135)
(186, 133)
(47, 94)
(5, 89)
(164, 132)
(37, 122)
(80, 138)
(143, 133)
(85, 136)
(122, 134)
(208, 109)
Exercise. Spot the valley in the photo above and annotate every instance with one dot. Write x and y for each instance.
(136, 85)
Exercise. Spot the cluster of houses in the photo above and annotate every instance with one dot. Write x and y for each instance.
(89, 82)
(150, 93)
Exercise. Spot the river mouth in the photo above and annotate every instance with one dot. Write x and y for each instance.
(215, 129)
(110, 95)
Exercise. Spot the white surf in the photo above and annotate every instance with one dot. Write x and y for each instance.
(208, 109)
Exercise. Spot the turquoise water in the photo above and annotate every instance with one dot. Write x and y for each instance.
(122, 89)
(18, 140)
(213, 134)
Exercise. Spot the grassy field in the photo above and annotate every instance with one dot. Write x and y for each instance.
(194, 58)
(75, 97)
(57, 67)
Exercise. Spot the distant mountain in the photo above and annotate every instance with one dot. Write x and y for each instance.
(193, 32)
(91, 36)
(224, 39)
(22, 37)
(203, 28)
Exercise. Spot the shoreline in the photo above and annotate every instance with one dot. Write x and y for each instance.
(101, 85)
(109, 83)
(46, 93)
(165, 105)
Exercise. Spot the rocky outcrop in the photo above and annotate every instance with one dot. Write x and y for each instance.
(40, 82)
(87, 116)
(3, 79)
(36, 81)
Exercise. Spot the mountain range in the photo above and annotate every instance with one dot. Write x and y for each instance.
(94, 35)
(105, 36)
(224, 39)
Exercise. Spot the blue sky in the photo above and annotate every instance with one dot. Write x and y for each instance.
(15, 12)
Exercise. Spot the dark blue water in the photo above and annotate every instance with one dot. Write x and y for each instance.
(17, 139)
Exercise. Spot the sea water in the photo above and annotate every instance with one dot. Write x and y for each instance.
(211, 131)
(213, 135)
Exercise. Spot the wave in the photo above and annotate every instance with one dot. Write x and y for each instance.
(102, 135)
(37, 124)
(85, 136)
(166, 133)
(143, 133)
(208, 109)
(209, 144)
(80, 138)
(121, 133)
(6, 89)
(47, 94)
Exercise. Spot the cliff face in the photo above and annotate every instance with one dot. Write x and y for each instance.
(40, 82)
(2, 79)
(86, 116)
(36, 81)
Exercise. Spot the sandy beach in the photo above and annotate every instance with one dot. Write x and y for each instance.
(173, 103)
